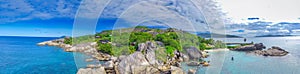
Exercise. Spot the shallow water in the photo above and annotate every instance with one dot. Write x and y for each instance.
(245, 63)
(19, 55)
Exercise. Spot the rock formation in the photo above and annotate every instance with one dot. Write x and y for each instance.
(258, 49)
(91, 71)
(193, 53)
(274, 51)
(257, 46)
(143, 61)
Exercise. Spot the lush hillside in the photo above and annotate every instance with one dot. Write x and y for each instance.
(124, 42)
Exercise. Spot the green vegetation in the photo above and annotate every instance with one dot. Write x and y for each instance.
(105, 48)
(126, 42)
(233, 46)
(68, 41)
(140, 37)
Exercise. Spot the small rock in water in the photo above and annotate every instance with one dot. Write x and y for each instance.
(193, 63)
(89, 60)
(192, 71)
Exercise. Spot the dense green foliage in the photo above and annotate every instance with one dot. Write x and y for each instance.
(219, 44)
(202, 46)
(68, 41)
(105, 48)
(140, 37)
(172, 39)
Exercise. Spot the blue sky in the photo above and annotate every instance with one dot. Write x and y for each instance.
(54, 18)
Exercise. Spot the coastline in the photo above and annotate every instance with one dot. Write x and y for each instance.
(217, 50)
(115, 64)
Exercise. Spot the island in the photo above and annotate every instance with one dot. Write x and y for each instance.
(258, 49)
(147, 50)
(276, 35)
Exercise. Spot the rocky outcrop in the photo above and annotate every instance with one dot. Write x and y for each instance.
(191, 71)
(274, 51)
(193, 53)
(139, 62)
(258, 49)
(257, 46)
(57, 42)
(144, 61)
(86, 48)
(91, 71)
(176, 70)
(132, 62)
(193, 63)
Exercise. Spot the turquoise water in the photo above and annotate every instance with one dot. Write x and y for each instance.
(245, 63)
(21, 55)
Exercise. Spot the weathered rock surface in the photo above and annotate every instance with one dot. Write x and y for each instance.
(193, 53)
(191, 71)
(145, 63)
(86, 48)
(274, 51)
(132, 62)
(176, 70)
(257, 46)
(136, 63)
(91, 71)
(193, 63)
(93, 66)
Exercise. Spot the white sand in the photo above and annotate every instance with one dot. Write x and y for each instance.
(217, 50)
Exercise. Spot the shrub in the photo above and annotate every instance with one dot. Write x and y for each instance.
(68, 41)
(105, 48)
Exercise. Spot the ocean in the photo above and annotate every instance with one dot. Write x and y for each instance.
(21, 55)
(245, 63)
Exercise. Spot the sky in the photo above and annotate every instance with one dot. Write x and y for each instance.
(276, 17)
(270, 10)
(55, 18)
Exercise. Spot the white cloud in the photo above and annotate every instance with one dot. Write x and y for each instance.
(17, 10)
(270, 10)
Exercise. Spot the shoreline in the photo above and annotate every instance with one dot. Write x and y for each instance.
(115, 64)
(217, 50)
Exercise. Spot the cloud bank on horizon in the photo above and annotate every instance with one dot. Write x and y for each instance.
(262, 17)
(239, 11)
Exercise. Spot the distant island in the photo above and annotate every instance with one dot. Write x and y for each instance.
(276, 35)
(209, 35)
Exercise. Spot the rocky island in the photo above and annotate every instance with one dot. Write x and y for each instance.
(151, 51)
(258, 49)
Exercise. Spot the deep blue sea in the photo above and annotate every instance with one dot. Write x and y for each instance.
(21, 55)
(245, 63)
